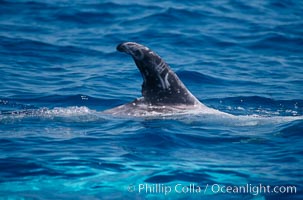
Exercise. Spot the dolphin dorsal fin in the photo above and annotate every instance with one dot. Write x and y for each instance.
(160, 84)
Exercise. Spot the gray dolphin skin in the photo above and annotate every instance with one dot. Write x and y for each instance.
(162, 90)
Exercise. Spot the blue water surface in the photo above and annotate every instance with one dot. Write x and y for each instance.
(59, 70)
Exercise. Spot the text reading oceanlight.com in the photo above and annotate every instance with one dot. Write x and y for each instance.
(211, 188)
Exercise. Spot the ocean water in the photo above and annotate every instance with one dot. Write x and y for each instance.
(59, 69)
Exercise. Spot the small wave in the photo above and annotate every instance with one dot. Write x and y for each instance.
(293, 129)
(279, 41)
(256, 105)
(27, 45)
(51, 101)
(197, 77)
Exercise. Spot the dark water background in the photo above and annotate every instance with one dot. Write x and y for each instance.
(59, 69)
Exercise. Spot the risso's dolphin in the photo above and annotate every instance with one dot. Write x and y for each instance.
(162, 91)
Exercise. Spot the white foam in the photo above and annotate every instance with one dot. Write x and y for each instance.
(67, 112)
(76, 113)
(191, 114)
